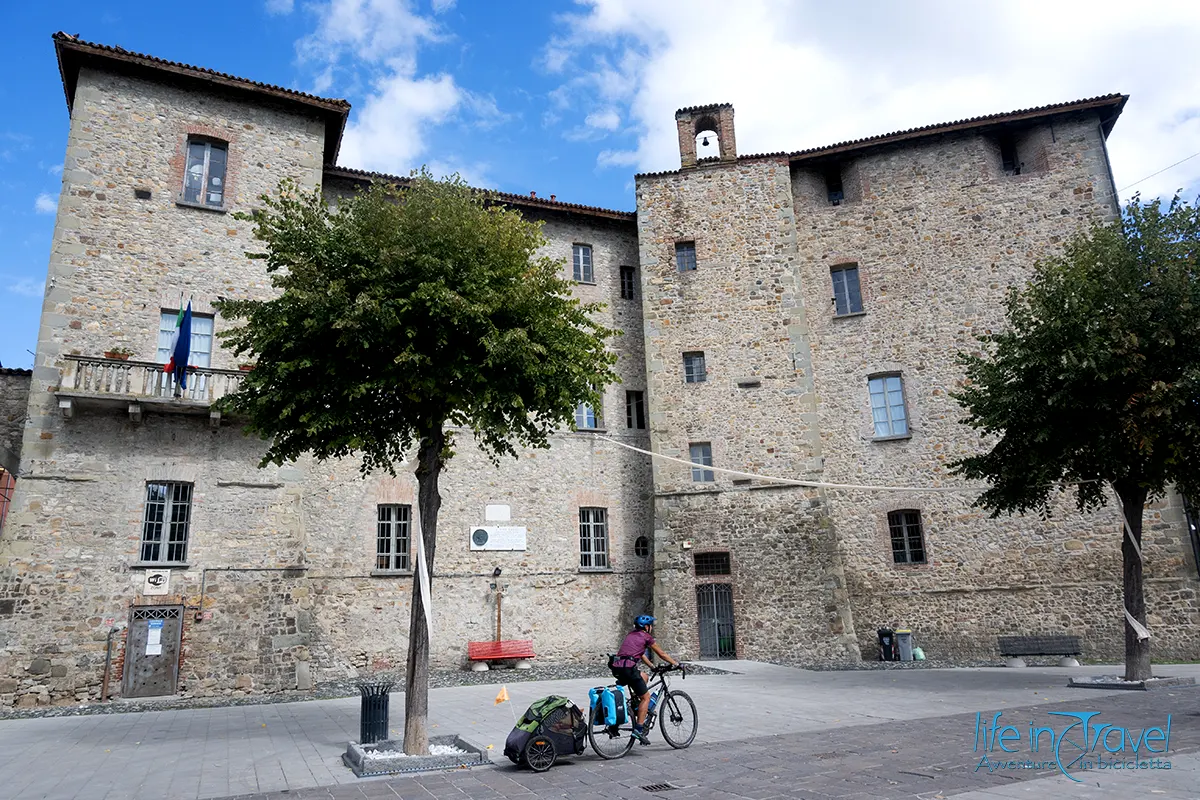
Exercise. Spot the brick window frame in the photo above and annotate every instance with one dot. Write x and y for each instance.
(178, 164)
(393, 538)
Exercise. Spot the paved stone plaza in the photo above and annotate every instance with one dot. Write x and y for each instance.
(764, 732)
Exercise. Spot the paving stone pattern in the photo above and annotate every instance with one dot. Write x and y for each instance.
(927, 758)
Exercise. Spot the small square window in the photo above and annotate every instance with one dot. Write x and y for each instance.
(712, 564)
(847, 294)
(908, 545)
(586, 417)
(888, 412)
(204, 174)
(628, 283)
(694, 369)
(392, 537)
(166, 523)
(593, 538)
(635, 410)
(701, 456)
(582, 263)
(685, 256)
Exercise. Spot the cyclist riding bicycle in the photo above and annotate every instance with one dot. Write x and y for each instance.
(624, 665)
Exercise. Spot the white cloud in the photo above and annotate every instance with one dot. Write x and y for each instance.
(45, 203)
(28, 287)
(372, 47)
(280, 7)
(606, 120)
(55, 169)
(805, 74)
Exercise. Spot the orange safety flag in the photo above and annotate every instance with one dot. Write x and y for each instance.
(502, 697)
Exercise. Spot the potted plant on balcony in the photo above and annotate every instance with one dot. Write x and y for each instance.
(118, 353)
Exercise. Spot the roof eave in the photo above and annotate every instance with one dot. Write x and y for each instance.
(542, 204)
(73, 54)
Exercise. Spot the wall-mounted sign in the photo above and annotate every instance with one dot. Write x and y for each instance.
(494, 537)
(497, 512)
(154, 638)
(156, 581)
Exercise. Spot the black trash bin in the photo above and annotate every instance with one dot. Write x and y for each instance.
(374, 724)
(887, 644)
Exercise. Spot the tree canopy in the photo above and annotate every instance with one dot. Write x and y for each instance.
(1096, 378)
(400, 310)
(1095, 382)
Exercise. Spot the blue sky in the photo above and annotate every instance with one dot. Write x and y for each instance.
(573, 98)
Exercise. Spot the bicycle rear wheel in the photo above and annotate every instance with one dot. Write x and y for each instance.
(609, 741)
(677, 719)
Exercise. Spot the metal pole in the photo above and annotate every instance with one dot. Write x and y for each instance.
(499, 595)
(107, 663)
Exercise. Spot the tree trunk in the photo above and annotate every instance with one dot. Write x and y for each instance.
(1137, 651)
(416, 685)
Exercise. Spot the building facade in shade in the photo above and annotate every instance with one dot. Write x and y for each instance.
(793, 315)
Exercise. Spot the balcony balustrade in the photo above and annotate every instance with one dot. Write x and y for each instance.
(90, 382)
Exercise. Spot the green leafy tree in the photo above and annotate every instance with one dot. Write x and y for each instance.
(402, 313)
(1096, 382)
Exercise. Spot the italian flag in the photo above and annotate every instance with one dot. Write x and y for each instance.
(181, 346)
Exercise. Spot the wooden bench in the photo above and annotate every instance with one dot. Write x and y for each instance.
(518, 650)
(1012, 648)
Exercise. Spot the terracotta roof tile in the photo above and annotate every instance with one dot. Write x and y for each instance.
(506, 197)
(1113, 102)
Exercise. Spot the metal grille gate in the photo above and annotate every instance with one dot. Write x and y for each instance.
(714, 606)
(152, 651)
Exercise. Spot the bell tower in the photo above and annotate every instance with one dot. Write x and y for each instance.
(705, 124)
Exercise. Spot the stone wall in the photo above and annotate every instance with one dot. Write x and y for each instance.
(742, 308)
(14, 399)
(939, 234)
(280, 587)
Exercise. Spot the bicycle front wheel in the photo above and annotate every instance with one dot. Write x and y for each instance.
(609, 741)
(677, 719)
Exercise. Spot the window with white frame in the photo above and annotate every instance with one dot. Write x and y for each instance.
(593, 538)
(888, 413)
(635, 410)
(582, 263)
(908, 545)
(202, 338)
(694, 369)
(392, 537)
(166, 522)
(701, 455)
(586, 417)
(204, 175)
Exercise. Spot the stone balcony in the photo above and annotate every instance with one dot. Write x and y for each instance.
(92, 383)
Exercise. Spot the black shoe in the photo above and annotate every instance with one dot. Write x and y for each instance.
(641, 737)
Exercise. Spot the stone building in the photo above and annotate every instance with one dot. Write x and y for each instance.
(142, 518)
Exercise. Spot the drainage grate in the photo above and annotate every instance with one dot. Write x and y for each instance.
(660, 787)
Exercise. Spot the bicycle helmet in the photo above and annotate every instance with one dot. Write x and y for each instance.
(644, 620)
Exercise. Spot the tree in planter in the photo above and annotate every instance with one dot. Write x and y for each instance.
(1096, 382)
(401, 313)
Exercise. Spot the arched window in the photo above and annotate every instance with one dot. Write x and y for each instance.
(708, 143)
(641, 548)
